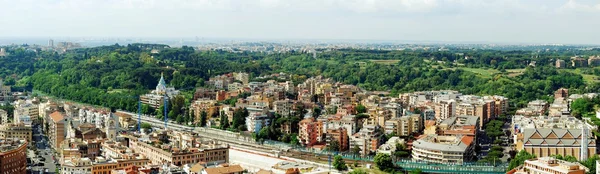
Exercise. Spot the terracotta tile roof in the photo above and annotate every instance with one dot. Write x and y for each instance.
(57, 116)
(225, 170)
(467, 140)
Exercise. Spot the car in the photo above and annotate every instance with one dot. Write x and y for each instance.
(42, 159)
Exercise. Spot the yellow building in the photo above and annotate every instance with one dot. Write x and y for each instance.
(20, 131)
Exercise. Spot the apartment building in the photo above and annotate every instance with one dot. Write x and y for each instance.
(77, 165)
(3, 117)
(16, 130)
(454, 149)
(26, 108)
(311, 132)
(459, 125)
(204, 105)
(13, 156)
(56, 130)
(160, 153)
(367, 139)
(256, 121)
(408, 125)
(341, 136)
(445, 109)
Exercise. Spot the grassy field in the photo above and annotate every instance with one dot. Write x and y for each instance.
(482, 72)
(385, 62)
(514, 72)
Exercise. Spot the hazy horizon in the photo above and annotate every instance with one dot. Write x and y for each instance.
(445, 21)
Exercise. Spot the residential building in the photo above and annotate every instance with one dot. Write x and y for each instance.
(3, 117)
(561, 93)
(204, 105)
(341, 136)
(310, 132)
(455, 149)
(13, 156)
(560, 64)
(77, 166)
(56, 130)
(445, 109)
(367, 139)
(410, 124)
(550, 165)
(594, 61)
(5, 92)
(459, 125)
(579, 62)
(176, 153)
(242, 77)
(390, 146)
(256, 121)
(25, 108)
(157, 96)
(16, 130)
(283, 107)
(545, 136)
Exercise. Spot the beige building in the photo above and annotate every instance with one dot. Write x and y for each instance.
(56, 129)
(77, 166)
(549, 165)
(445, 109)
(159, 153)
(408, 125)
(20, 131)
(3, 117)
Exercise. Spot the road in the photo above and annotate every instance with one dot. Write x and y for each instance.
(44, 151)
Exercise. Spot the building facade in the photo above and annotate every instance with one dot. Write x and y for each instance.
(13, 156)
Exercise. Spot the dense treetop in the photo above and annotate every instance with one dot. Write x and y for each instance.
(107, 75)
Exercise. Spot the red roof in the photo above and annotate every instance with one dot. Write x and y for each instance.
(57, 116)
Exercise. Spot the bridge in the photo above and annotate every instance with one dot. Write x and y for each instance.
(444, 168)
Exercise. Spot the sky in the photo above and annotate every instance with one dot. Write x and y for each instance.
(476, 21)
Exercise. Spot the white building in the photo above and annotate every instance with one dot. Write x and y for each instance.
(157, 96)
(443, 149)
(255, 122)
(77, 166)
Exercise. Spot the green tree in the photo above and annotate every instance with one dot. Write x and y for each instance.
(339, 163)
(203, 118)
(358, 171)
(361, 109)
(146, 125)
(316, 112)
(383, 161)
(224, 121)
(416, 171)
(334, 146)
(356, 150)
(520, 159)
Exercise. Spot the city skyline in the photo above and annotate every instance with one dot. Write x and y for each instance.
(466, 21)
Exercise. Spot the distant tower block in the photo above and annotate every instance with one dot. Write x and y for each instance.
(50, 43)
